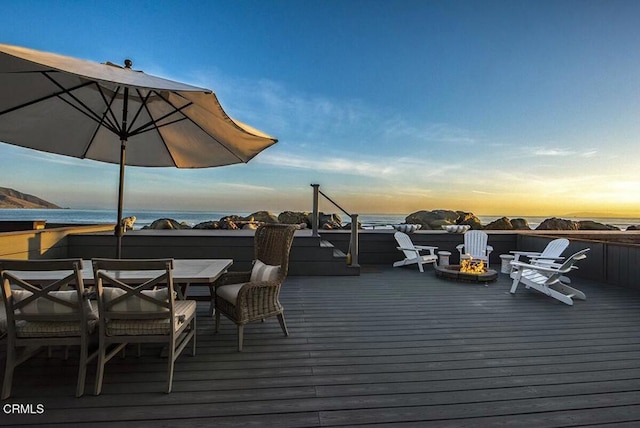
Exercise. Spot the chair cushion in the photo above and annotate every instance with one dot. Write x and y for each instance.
(43, 306)
(54, 328)
(264, 272)
(230, 292)
(135, 303)
(184, 310)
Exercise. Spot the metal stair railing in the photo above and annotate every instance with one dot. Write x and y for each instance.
(352, 254)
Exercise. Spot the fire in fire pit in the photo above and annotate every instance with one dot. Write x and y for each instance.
(472, 266)
(468, 270)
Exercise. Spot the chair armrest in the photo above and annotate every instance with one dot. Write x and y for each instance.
(460, 247)
(264, 297)
(525, 253)
(426, 247)
(546, 258)
(489, 249)
(415, 250)
(232, 278)
(539, 268)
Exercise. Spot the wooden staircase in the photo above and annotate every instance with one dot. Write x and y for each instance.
(318, 257)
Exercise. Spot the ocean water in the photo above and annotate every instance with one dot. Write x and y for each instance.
(145, 217)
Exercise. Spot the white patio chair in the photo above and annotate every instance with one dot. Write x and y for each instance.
(412, 252)
(45, 314)
(475, 245)
(548, 279)
(141, 313)
(550, 255)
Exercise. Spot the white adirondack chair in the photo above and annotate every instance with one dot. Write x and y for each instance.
(412, 252)
(550, 255)
(548, 279)
(475, 245)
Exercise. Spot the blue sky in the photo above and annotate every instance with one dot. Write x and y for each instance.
(495, 107)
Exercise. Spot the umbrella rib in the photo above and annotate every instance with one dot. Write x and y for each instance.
(109, 124)
(153, 124)
(85, 110)
(111, 121)
(57, 94)
(142, 105)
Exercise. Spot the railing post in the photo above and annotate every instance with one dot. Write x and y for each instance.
(354, 240)
(314, 216)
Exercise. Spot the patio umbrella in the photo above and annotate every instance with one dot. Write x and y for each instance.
(64, 105)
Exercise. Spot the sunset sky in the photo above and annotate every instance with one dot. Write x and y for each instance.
(494, 107)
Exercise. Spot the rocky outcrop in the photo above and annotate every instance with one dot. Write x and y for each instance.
(634, 227)
(428, 220)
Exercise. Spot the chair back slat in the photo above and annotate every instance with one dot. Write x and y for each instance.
(554, 249)
(475, 243)
(405, 242)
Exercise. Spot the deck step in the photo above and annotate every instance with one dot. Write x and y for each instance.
(338, 254)
(328, 260)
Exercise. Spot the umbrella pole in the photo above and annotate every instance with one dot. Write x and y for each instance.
(119, 229)
(123, 149)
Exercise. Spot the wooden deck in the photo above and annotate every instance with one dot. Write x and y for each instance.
(391, 347)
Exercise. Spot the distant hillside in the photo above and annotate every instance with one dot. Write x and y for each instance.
(10, 198)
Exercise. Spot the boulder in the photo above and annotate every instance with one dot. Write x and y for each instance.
(520, 224)
(233, 218)
(502, 223)
(594, 225)
(264, 217)
(448, 215)
(436, 219)
(558, 224)
(168, 224)
(430, 220)
(207, 225)
(329, 221)
(634, 227)
(469, 219)
(227, 224)
(292, 217)
(347, 226)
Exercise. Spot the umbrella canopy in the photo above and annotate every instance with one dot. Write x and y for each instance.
(64, 105)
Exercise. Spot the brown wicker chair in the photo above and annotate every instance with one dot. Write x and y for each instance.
(244, 300)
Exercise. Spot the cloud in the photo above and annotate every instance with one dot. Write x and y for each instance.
(552, 152)
(326, 164)
(249, 187)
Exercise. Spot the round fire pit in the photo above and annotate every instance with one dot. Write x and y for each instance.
(452, 272)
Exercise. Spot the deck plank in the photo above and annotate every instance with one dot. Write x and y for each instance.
(391, 347)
